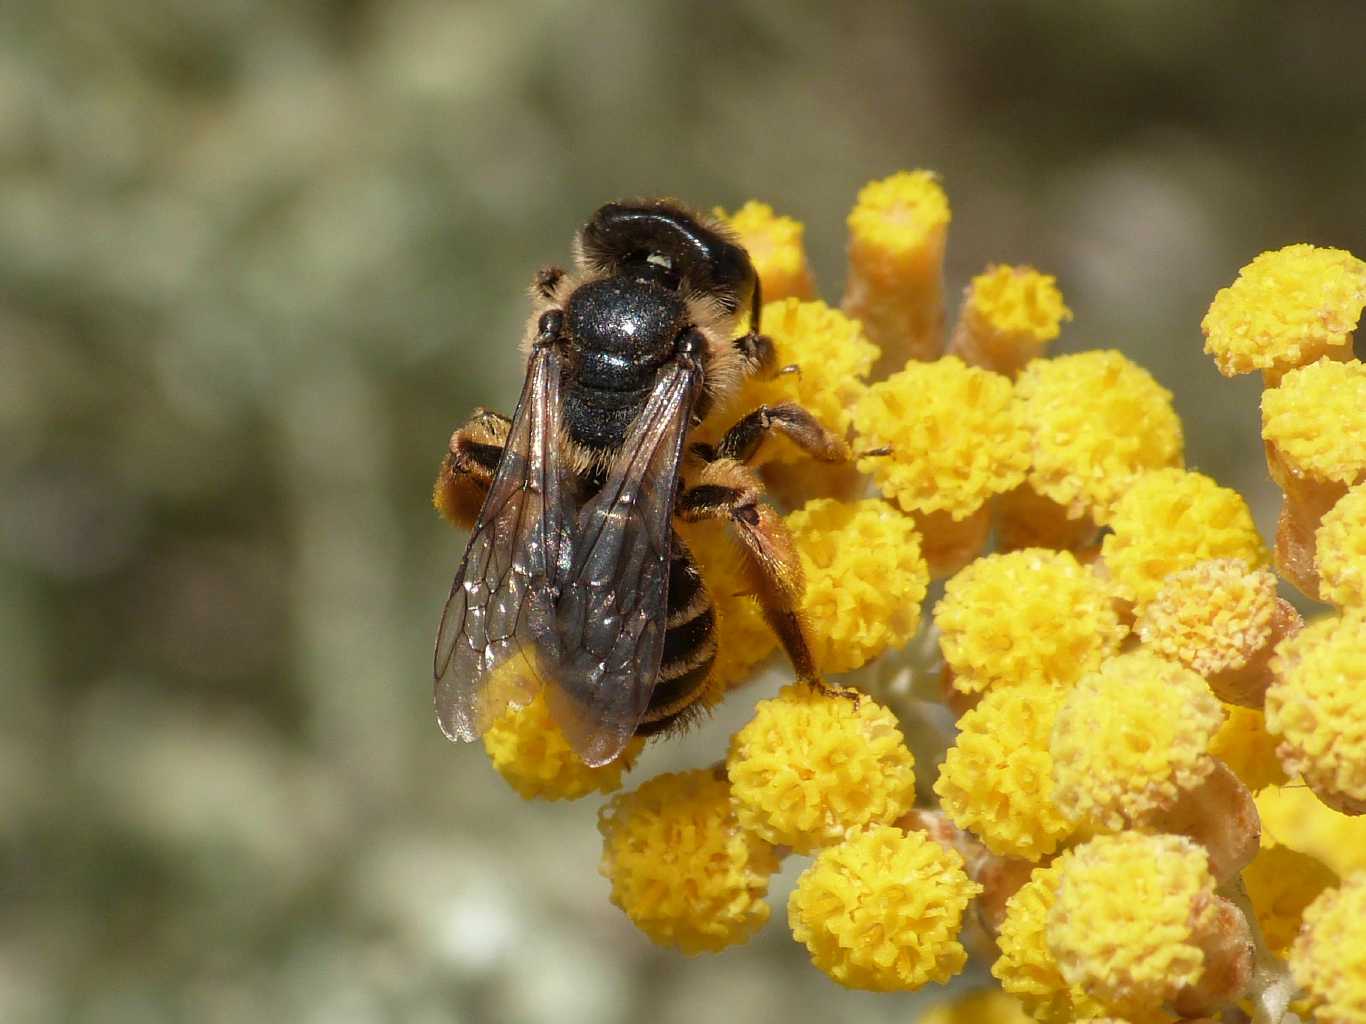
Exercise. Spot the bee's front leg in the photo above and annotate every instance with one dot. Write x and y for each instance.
(743, 441)
(773, 572)
(467, 470)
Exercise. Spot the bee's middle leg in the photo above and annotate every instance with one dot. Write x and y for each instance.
(468, 467)
(728, 490)
(743, 441)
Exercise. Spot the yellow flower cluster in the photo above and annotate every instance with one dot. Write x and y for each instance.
(1286, 309)
(882, 910)
(1093, 811)
(775, 248)
(530, 752)
(1130, 738)
(954, 434)
(1028, 616)
(1096, 423)
(1169, 520)
(810, 767)
(1341, 551)
(1315, 704)
(1130, 917)
(865, 579)
(680, 865)
(997, 777)
(1329, 956)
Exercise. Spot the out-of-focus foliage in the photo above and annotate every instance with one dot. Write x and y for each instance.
(258, 259)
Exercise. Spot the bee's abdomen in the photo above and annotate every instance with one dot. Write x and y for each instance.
(689, 645)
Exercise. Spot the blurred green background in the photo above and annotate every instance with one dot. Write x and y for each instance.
(258, 258)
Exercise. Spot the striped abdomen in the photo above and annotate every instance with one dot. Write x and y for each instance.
(689, 645)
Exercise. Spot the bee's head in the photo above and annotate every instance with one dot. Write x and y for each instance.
(659, 241)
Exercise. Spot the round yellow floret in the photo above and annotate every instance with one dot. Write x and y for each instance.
(1130, 738)
(881, 911)
(996, 779)
(893, 219)
(1317, 707)
(954, 435)
(1027, 968)
(1287, 308)
(1281, 882)
(1341, 551)
(985, 1006)
(1028, 616)
(1316, 419)
(1243, 744)
(775, 248)
(810, 767)
(1008, 315)
(1129, 916)
(1169, 520)
(865, 579)
(531, 753)
(1096, 422)
(1329, 957)
(1211, 617)
(743, 638)
(680, 865)
(832, 357)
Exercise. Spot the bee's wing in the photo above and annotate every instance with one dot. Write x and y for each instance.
(501, 602)
(612, 607)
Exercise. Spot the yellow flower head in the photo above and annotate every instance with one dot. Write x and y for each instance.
(1315, 422)
(680, 865)
(1281, 883)
(775, 248)
(1211, 617)
(1028, 616)
(1287, 308)
(895, 287)
(1243, 744)
(1329, 957)
(1009, 314)
(1169, 520)
(954, 433)
(997, 778)
(1130, 912)
(1315, 704)
(865, 579)
(1027, 968)
(530, 752)
(881, 910)
(1130, 738)
(743, 638)
(810, 767)
(1096, 422)
(985, 1006)
(1341, 551)
(833, 358)
(1293, 816)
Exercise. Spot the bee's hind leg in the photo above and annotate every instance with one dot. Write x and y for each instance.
(467, 470)
(728, 490)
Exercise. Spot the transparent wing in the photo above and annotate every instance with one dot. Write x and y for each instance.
(502, 599)
(610, 618)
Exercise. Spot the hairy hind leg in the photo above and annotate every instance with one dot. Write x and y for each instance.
(467, 470)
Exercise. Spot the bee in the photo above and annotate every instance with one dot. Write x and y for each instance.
(574, 575)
